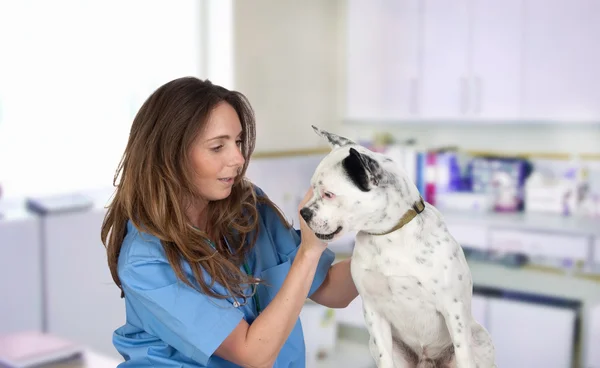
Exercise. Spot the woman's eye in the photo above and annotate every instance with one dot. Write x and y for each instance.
(217, 149)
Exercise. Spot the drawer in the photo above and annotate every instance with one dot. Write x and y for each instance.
(535, 243)
(469, 235)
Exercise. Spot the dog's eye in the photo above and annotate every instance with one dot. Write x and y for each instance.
(328, 195)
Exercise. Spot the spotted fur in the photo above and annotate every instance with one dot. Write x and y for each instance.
(415, 283)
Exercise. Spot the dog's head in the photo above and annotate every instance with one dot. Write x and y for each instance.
(356, 189)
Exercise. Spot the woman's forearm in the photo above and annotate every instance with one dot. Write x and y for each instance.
(338, 289)
(271, 328)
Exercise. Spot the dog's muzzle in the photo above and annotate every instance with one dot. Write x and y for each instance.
(307, 214)
(329, 236)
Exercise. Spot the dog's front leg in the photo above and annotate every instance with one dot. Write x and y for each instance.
(380, 341)
(458, 321)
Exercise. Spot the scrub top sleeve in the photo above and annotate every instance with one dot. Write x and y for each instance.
(191, 322)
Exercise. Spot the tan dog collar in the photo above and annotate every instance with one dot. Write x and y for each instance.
(416, 209)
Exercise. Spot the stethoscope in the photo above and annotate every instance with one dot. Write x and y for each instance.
(237, 304)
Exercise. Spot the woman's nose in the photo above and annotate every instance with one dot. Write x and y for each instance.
(237, 158)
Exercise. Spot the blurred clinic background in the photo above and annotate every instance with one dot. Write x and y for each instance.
(493, 107)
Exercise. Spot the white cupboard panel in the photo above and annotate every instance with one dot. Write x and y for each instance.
(561, 78)
(479, 308)
(83, 303)
(593, 339)
(531, 335)
(382, 58)
(445, 78)
(495, 57)
(20, 275)
(597, 249)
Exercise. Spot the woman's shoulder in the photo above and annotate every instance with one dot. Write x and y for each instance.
(266, 210)
(139, 246)
(143, 263)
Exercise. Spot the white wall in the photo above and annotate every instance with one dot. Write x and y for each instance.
(290, 63)
(286, 63)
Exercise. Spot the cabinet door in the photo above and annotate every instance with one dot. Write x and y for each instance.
(445, 79)
(531, 335)
(83, 303)
(561, 58)
(20, 275)
(495, 55)
(592, 353)
(479, 307)
(382, 59)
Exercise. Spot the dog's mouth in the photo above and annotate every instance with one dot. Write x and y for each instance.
(330, 235)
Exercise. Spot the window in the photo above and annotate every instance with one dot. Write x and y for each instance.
(73, 73)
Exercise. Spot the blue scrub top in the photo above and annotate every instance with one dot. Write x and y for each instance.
(169, 324)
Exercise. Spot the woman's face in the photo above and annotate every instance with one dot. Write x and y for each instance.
(215, 156)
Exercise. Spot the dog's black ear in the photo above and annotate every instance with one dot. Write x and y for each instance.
(364, 171)
(334, 140)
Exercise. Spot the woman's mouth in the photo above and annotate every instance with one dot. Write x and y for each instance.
(226, 180)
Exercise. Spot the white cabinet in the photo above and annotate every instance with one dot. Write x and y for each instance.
(382, 59)
(495, 59)
(479, 307)
(83, 303)
(596, 250)
(561, 78)
(531, 335)
(592, 353)
(471, 59)
(20, 274)
(429, 60)
(445, 74)
(474, 60)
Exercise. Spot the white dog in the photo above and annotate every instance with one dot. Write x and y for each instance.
(410, 272)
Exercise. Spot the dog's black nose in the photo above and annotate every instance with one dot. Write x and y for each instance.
(306, 214)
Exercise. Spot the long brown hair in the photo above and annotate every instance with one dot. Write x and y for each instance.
(155, 176)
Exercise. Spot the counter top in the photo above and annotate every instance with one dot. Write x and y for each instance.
(527, 221)
(532, 281)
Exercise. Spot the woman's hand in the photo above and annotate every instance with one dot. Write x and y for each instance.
(309, 241)
(270, 330)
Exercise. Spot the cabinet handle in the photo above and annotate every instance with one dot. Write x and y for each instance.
(413, 93)
(464, 90)
(478, 94)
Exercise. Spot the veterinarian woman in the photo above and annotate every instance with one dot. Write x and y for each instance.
(189, 240)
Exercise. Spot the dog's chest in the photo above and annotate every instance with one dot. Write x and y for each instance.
(404, 264)
(405, 284)
(389, 275)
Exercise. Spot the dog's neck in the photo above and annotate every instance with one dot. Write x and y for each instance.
(402, 204)
(417, 208)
